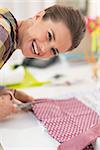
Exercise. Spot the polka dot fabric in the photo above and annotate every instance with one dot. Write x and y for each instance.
(65, 119)
(89, 147)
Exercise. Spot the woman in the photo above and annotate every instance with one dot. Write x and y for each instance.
(55, 30)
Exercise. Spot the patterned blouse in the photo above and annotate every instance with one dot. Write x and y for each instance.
(8, 35)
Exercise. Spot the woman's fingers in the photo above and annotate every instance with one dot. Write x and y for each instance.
(7, 97)
(7, 107)
(23, 97)
(19, 95)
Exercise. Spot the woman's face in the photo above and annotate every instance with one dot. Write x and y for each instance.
(43, 39)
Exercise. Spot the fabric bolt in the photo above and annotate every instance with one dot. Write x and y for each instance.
(28, 81)
(8, 35)
(65, 119)
(80, 141)
(89, 147)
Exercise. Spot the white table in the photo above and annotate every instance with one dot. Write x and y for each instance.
(24, 131)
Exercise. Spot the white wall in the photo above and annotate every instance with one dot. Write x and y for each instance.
(94, 8)
(25, 8)
(22, 8)
(48, 3)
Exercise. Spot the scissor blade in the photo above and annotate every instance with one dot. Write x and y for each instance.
(25, 106)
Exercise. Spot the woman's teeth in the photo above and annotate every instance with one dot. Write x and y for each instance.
(34, 48)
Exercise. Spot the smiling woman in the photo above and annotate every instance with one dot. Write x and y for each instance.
(54, 30)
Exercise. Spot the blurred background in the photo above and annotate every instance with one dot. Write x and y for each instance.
(23, 9)
(89, 49)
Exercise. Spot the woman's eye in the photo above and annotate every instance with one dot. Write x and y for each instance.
(54, 51)
(49, 36)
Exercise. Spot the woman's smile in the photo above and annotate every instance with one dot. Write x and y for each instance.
(35, 48)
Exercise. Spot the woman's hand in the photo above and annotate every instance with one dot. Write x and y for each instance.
(19, 95)
(6, 106)
(23, 97)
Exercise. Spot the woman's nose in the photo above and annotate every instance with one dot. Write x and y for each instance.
(45, 47)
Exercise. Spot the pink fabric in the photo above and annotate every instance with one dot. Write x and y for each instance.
(79, 142)
(65, 119)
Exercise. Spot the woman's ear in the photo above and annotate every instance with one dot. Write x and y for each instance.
(39, 15)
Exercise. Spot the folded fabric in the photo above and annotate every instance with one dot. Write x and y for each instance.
(8, 76)
(28, 81)
(80, 141)
(65, 119)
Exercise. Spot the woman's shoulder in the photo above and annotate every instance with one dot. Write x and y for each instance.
(3, 10)
(8, 15)
(8, 34)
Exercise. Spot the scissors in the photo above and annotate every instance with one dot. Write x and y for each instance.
(23, 106)
(29, 105)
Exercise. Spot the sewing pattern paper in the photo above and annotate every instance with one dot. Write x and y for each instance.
(65, 119)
